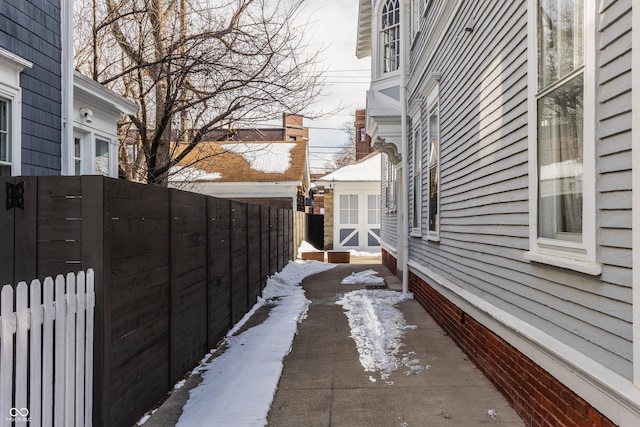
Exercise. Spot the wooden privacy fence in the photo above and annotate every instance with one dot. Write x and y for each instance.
(173, 270)
(46, 351)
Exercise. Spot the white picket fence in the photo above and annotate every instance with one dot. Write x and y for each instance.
(46, 352)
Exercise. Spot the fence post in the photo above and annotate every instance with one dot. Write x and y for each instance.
(95, 238)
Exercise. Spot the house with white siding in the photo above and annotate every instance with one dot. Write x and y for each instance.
(507, 191)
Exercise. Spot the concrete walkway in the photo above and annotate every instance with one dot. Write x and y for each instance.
(324, 384)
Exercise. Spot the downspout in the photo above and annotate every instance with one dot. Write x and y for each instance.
(405, 149)
(66, 164)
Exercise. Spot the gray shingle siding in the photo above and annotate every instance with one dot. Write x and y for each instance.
(31, 30)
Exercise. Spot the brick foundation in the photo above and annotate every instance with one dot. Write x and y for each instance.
(390, 262)
(539, 398)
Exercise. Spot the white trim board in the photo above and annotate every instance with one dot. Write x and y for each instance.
(613, 395)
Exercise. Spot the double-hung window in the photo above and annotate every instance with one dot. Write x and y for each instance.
(434, 172)
(416, 217)
(11, 66)
(5, 137)
(390, 27)
(390, 187)
(561, 123)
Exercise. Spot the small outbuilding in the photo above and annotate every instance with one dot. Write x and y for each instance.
(352, 206)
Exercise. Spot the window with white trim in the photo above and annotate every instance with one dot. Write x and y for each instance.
(415, 13)
(390, 28)
(92, 154)
(11, 66)
(416, 178)
(5, 137)
(433, 215)
(390, 187)
(562, 158)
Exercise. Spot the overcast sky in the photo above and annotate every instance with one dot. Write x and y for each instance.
(333, 26)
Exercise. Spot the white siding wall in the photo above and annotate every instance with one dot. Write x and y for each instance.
(484, 228)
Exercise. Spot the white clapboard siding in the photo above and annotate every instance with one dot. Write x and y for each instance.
(53, 340)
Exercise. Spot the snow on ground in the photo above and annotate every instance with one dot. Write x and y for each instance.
(363, 277)
(238, 386)
(377, 328)
(353, 252)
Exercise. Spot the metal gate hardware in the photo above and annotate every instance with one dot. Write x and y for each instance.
(15, 195)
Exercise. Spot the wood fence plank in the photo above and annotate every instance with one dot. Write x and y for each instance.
(95, 238)
(264, 244)
(48, 332)
(59, 353)
(80, 344)
(36, 353)
(281, 246)
(219, 269)
(239, 277)
(21, 351)
(6, 357)
(7, 230)
(25, 238)
(273, 239)
(188, 286)
(254, 281)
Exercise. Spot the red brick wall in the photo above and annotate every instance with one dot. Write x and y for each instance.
(539, 398)
(390, 262)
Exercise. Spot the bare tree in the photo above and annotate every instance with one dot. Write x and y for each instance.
(346, 154)
(194, 66)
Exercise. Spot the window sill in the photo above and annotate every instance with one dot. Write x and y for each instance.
(432, 238)
(581, 266)
(415, 233)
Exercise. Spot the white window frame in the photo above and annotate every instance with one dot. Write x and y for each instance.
(88, 142)
(416, 177)
(11, 66)
(397, 26)
(577, 256)
(390, 187)
(433, 107)
(416, 8)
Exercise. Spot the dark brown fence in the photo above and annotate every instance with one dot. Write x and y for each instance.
(174, 271)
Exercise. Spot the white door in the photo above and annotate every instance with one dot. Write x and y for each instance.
(357, 221)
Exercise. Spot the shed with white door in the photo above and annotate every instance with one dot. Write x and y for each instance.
(353, 219)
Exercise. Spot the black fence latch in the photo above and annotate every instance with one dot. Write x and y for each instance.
(15, 195)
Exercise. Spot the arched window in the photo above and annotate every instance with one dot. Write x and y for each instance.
(391, 35)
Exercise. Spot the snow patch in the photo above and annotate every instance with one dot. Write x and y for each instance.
(377, 328)
(186, 174)
(264, 157)
(363, 277)
(238, 386)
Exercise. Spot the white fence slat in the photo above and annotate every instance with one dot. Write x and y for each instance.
(88, 383)
(6, 357)
(47, 353)
(80, 348)
(70, 340)
(59, 352)
(46, 378)
(22, 350)
(35, 359)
